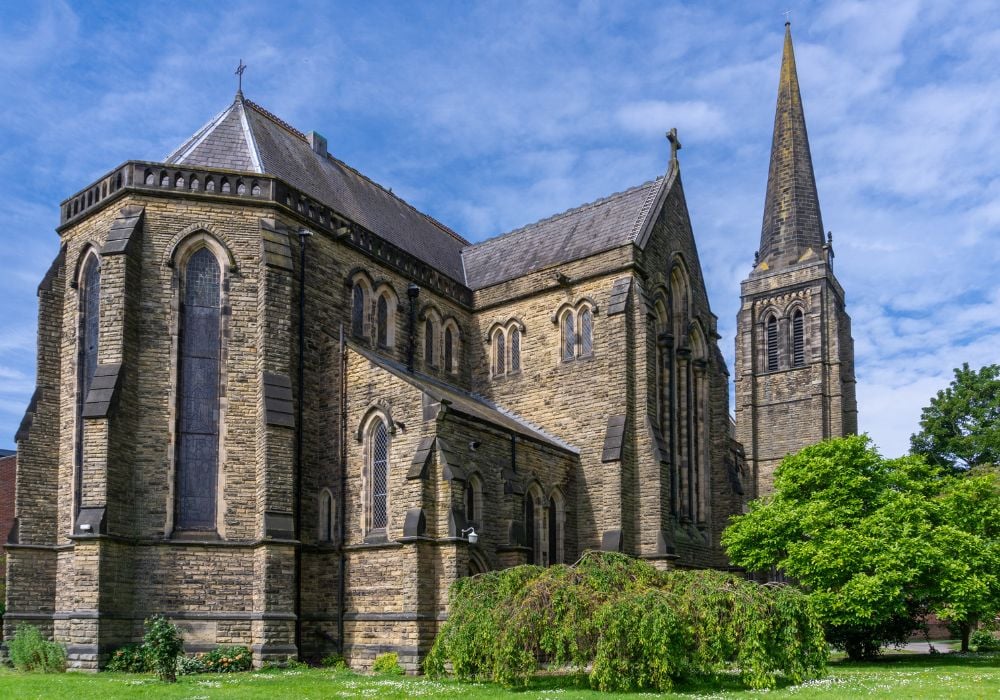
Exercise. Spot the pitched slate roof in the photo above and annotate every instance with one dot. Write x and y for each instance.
(465, 402)
(588, 229)
(247, 137)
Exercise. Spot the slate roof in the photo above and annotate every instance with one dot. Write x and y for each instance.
(247, 137)
(465, 402)
(588, 229)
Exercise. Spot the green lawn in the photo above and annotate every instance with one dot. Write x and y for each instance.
(911, 676)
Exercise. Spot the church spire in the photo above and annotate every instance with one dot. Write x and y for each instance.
(792, 225)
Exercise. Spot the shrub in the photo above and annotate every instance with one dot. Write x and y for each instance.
(387, 664)
(163, 643)
(228, 659)
(190, 665)
(983, 640)
(131, 658)
(632, 626)
(334, 661)
(30, 651)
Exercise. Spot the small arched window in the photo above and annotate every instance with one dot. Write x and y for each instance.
(499, 353)
(586, 332)
(378, 476)
(430, 331)
(358, 311)
(553, 532)
(326, 516)
(772, 342)
(382, 321)
(529, 528)
(449, 349)
(798, 339)
(568, 336)
(515, 350)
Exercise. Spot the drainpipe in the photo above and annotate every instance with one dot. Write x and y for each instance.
(341, 590)
(299, 431)
(413, 291)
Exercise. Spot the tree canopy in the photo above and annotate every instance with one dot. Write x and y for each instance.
(961, 426)
(876, 543)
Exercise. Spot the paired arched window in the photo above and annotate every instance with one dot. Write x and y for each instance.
(506, 341)
(198, 391)
(358, 307)
(430, 336)
(771, 342)
(450, 340)
(556, 528)
(531, 528)
(576, 326)
(798, 338)
(385, 318)
(326, 516)
(89, 284)
(377, 475)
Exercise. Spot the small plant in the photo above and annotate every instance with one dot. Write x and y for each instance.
(983, 640)
(163, 643)
(228, 659)
(190, 665)
(387, 664)
(131, 658)
(30, 651)
(334, 661)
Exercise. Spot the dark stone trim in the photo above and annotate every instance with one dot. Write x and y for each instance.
(103, 394)
(421, 458)
(619, 296)
(277, 250)
(614, 439)
(279, 525)
(612, 541)
(24, 429)
(660, 451)
(90, 521)
(278, 407)
(192, 615)
(450, 469)
(128, 223)
(415, 524)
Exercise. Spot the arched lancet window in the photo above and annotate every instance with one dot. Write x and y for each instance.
(326, 516)
(449, 349)
(499, 353)
(378, 475)
(586, 332)
(554, 533)
(358, 311)
(199, 368)
(90, 321)
(430, 331)
(529, 528)
(515, 350)
(771, 341)
(382, 321)
(473, 498)
(568, 336)
(798, 339)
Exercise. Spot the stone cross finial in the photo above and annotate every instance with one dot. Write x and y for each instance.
(788, 16)
(675, 143)
(239, 72)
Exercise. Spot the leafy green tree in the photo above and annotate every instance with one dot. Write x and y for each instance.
(968, 539)
(857, 532)
(961, 426)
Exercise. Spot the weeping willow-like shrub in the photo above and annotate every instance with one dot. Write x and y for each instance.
(627, 624)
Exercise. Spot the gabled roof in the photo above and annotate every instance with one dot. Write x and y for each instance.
(793, 226)
(247, 137)
(465, 402)
(608, 223)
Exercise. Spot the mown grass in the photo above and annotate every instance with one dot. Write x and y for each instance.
(909, 676)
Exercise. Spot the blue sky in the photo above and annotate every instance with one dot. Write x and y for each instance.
(492, 115)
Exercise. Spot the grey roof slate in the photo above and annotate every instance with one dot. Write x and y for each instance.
(284, 152)
(592, 228)
(465, 402)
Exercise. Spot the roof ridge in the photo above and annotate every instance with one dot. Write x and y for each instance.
(568, 212)
(285, 125)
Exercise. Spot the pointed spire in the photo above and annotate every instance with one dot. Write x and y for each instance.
(792, 223)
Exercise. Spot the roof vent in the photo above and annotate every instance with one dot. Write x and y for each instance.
(318, 142)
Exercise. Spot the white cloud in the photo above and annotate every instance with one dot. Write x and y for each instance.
(700, 119)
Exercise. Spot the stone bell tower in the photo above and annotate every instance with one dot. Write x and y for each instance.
(794, 351)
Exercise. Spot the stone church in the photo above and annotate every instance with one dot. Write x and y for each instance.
(285, 408)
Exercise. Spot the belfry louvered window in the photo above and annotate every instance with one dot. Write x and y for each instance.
(798, 339)
(569, 336)
(379, 476)
(772, 343)
(586, 332)
(90, 318)
(358, 312)
(515, 350)
(499, 354)
(199, 367)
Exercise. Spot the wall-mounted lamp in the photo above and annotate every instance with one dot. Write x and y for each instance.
(473, 536)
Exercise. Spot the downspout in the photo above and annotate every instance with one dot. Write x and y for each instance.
(299, 434)
(341, 589)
